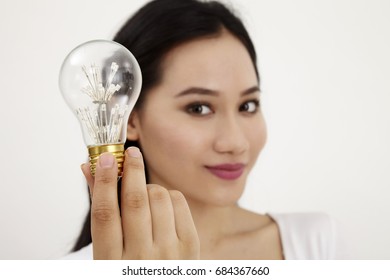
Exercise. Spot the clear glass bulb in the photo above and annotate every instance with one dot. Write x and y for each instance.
(101, 81)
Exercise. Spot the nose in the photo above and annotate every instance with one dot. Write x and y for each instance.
(230, 136)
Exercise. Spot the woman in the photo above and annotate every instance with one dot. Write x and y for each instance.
(199, 129)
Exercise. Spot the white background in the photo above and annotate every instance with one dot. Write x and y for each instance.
(325, 69)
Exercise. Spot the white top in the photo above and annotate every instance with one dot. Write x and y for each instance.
(304, 236)
(308, 236)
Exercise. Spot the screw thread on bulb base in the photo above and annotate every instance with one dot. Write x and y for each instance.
(116, 149)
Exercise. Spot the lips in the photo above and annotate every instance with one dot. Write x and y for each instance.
(227, 171)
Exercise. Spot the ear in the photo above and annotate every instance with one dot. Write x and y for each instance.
(133, 126)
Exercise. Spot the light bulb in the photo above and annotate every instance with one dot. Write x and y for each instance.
(100, 81)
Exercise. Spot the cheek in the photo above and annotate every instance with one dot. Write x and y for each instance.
(258, 137)
(163, 139)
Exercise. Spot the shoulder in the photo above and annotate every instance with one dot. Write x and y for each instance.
(306, 235)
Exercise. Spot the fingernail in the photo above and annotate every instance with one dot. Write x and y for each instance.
(106, 160)
(134, 152)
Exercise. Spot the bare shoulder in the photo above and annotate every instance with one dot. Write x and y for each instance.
(251, 221)
(260, 235)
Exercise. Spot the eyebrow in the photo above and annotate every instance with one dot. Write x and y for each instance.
(205, 91)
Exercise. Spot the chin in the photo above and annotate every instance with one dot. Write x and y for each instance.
(225, 198)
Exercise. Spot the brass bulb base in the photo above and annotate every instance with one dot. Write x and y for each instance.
(116, 149)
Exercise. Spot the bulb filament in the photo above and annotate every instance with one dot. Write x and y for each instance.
(102, 128)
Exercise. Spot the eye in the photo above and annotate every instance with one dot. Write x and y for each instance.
(250, 106)
(199, 109)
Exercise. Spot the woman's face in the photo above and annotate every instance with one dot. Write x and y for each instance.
(201, 128)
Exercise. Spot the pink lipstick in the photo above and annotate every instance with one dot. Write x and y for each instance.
(227, 171)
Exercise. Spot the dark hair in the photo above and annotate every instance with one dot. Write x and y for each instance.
(158, 27)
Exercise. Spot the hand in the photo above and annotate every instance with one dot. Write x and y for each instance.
(153, 223)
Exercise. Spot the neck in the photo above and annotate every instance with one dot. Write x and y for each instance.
(212, 222)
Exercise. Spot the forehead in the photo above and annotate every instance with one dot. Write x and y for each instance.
(213, 62)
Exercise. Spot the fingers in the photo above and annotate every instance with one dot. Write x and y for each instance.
(184, 224)
(105, 216)
(163, 220)
(153, 222)
(85, 168)
(136, 217)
